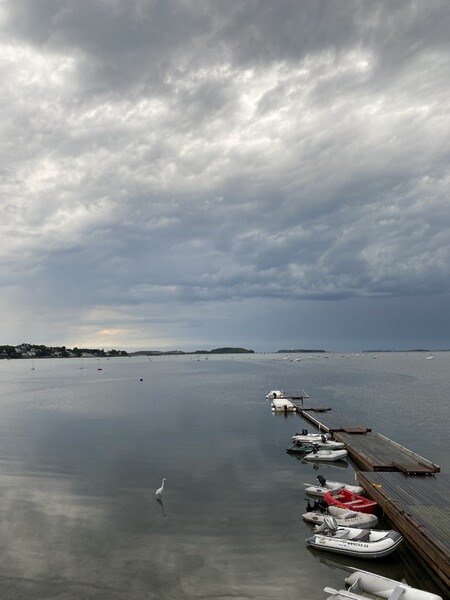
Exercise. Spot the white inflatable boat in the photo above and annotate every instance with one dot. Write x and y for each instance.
(351, 541)
(344, 517)
(325, 486)
(326, 455)
(365, 585)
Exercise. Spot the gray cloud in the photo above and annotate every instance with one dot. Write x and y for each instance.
(162, 155)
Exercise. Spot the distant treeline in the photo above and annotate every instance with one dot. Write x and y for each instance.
(40, 351)
(180, 352)
(26, 350)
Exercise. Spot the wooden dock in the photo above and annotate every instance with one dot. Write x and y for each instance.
(299, 395)
(369, 451)
(419, 508)
(330, 420)
(412, 494)
(283, 405)
(375, 452)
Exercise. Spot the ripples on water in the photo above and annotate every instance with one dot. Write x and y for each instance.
(82, 452)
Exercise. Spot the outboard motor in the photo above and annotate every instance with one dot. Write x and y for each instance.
(322, 528)
(331, 524)
(320, 505)
(315, 448)
(323, 438)
(322, 481)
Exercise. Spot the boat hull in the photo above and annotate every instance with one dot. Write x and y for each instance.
(275, 394)
(310, 438)
(304, 448)
(320, 491)
(326, 455)
(378, 548)
(344, 499)
(283, 405)
(363, 582)
(345, 518)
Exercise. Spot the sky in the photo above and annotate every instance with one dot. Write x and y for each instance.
(192, 174)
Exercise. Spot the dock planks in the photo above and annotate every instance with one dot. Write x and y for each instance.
(375, 452)
(419, 508)
(330, 420)
(370, 451)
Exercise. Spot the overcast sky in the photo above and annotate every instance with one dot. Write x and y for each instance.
(185, 174)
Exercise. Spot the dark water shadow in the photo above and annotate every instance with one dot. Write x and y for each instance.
(161, 503)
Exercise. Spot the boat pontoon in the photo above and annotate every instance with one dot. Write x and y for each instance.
(351, 541)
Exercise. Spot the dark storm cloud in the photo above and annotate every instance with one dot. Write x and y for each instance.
(200, 154)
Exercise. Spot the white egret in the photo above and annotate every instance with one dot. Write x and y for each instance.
(159, 491)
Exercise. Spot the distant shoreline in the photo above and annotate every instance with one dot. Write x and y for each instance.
(33, 351)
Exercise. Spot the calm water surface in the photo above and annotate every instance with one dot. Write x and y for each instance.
(82, 452)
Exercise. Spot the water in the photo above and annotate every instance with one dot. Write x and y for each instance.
(82, 452)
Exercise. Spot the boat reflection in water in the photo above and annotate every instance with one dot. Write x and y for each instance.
(390, 568)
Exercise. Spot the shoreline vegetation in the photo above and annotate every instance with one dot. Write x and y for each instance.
(41, 351)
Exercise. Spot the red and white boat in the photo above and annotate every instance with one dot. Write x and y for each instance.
(345, 499)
